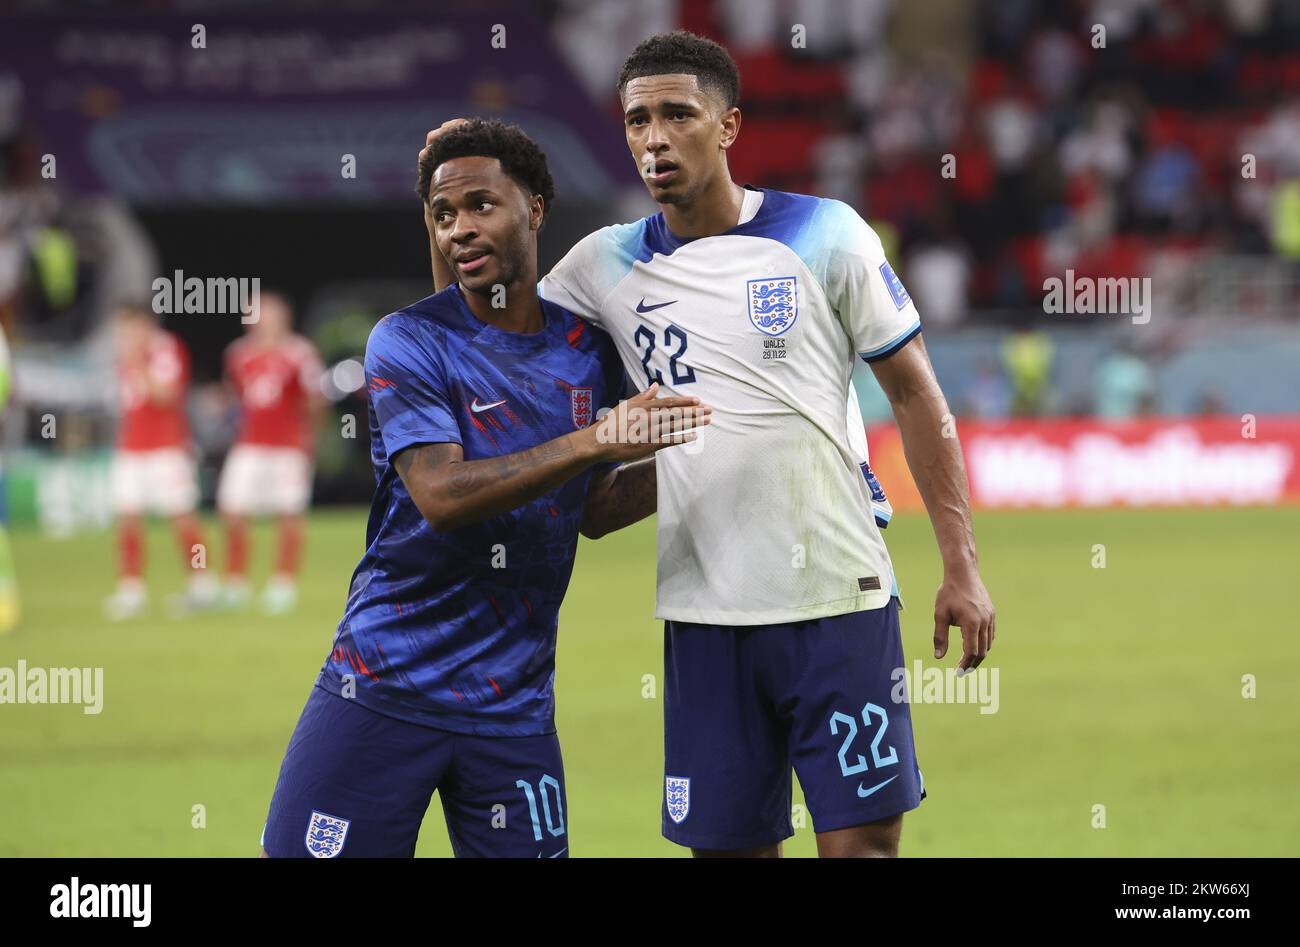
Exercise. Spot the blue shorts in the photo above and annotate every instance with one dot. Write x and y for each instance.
(355, 783)
(745, 704)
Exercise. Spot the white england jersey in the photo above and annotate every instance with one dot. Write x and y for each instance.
(767, 517)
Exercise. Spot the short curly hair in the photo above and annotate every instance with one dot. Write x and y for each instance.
(519, 155)
(682, 51)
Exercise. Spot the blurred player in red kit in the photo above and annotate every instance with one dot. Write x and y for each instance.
(276, 374)
(154, 469)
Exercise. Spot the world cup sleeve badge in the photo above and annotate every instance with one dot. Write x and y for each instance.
(326, 835)
(897, 291)
(773, 303)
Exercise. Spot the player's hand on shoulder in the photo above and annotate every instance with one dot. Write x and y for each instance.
(645, 423)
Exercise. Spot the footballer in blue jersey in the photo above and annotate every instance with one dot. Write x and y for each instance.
(489, 461)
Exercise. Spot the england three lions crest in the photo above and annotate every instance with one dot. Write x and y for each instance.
(677, 793)
(773, 303)
(326, 834)
(580, 402)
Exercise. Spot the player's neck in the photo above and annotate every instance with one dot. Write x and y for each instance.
(714, 211)
(521, 313)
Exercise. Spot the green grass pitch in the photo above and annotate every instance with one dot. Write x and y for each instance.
(1120, 687)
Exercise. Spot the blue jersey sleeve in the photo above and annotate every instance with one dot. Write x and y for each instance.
(408, 389)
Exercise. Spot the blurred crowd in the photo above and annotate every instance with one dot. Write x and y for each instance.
(995, 143)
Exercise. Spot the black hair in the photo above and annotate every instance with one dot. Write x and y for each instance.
(684, 52)
(519, 155)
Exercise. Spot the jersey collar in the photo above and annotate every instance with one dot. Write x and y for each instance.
(503, 338)
(662, 240)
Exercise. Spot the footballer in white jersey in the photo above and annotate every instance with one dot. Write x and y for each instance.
(765, 318)
(781, 632)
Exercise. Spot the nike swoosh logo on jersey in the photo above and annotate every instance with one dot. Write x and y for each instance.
(642, 307)
(476, 407)
(864, 793)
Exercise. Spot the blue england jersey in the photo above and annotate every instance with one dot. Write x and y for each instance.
(456, 629)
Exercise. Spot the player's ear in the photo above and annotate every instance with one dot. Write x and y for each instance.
(536, 210)
(730, 128)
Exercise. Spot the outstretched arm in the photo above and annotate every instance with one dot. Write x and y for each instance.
(452, 492)
(934, 457)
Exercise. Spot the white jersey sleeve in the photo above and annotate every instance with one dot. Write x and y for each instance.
(868, 297)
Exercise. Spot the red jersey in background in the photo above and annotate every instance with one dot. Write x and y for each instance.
(273, 385)
(147, 424)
